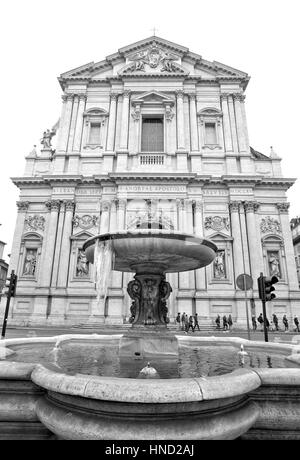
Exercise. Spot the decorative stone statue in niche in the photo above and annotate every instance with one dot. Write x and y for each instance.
(274, 264)
(82, 267)
(30, 262)
(219, 265)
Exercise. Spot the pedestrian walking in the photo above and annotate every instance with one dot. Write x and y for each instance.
(186, 323)
(191, 324)
(225, 323)
(254, 323)
(178, 320)
(261, 321)
(230, 322)
(183, 321)
(218, 321)
(196, 322)
(275, 322)
(286, 323)
(296, 321)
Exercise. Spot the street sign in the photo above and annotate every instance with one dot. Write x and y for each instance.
(244, 282)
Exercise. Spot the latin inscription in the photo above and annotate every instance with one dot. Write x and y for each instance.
(152, 188)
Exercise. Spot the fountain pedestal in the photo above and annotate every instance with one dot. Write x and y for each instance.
(149, 292)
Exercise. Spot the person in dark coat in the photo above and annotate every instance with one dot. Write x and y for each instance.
(218, 321)
(254, 323)
(275, 322)
(225, 323)
(296, 321)
(261, 321)
(286, 323)
(196, 322)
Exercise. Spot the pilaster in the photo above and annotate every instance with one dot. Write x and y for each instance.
(16, 243)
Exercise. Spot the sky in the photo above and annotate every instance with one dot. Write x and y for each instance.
(41, 39)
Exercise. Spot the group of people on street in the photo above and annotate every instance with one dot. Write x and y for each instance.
(186, 322)
(274, 326)
(227, 323)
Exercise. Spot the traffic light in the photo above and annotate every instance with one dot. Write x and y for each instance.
(11, 284)
(266, 288)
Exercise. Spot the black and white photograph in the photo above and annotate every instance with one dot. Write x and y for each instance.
(150, 223)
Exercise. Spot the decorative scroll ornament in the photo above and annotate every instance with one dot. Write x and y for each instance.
(35, 222)
(152, 57)
(85, 221)
(270, 225)
(216, 223)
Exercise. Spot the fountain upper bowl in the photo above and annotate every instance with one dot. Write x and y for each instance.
(158, 250)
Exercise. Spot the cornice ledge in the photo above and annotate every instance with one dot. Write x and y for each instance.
(185, 177)
(240, 179)
(27, 180)
(58, 179)
(287, 182)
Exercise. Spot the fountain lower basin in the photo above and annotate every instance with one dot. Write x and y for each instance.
(246, 403)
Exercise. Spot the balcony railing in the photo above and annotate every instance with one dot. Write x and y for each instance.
(152, 159)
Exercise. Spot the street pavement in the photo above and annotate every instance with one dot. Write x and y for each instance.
(258, 335)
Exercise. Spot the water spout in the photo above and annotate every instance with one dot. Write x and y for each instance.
(148, 372)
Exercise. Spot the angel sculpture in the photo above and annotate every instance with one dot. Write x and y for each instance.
(140, 59)
(168, 64)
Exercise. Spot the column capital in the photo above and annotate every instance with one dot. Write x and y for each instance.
(121, 203)
(82, 97)
(105, 205)
(234, 206)
(69, 205)
(180, 202)
(223, 96)
(22, 205)
(192, 96)
(238, 97)
(198, 205)
(283, 208)
(114, 96)
(126, 93)
(179, 93)
(251, 206)
(53, 205)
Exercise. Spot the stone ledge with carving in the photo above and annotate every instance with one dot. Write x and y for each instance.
(216, 223)
(270, 225)
(34, 222)
(86, 221)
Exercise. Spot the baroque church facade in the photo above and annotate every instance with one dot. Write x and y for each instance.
(152, 136)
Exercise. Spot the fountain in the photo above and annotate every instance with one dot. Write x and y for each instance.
(41, 401)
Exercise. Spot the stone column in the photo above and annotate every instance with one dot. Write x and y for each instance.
(58, 245)
(233, 123)
(256, 257)
(19, 228)
(198, 230)
(226, 124)
(112, 123)
(234, 207)
(193, 124)
(104, 222)
(283, 209)
(65, 124)
(49, 245)
(63, 270)
(239, 122)
(125, 121)
(242, 103)
(180, 121)
(121, 207)
(198, 213)
(184, 276)
(244, 240)
(79, 123)
(73, 122)
(113, 217)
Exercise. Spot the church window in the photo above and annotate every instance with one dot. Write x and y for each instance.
(152, 135)
(210, 134)
(94, 135)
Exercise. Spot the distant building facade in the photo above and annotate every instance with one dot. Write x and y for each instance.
(153, 135)
(295, 228)
(3, 268)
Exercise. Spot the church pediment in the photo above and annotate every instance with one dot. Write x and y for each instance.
(153, 56)
(153, 59)
(152, 97)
